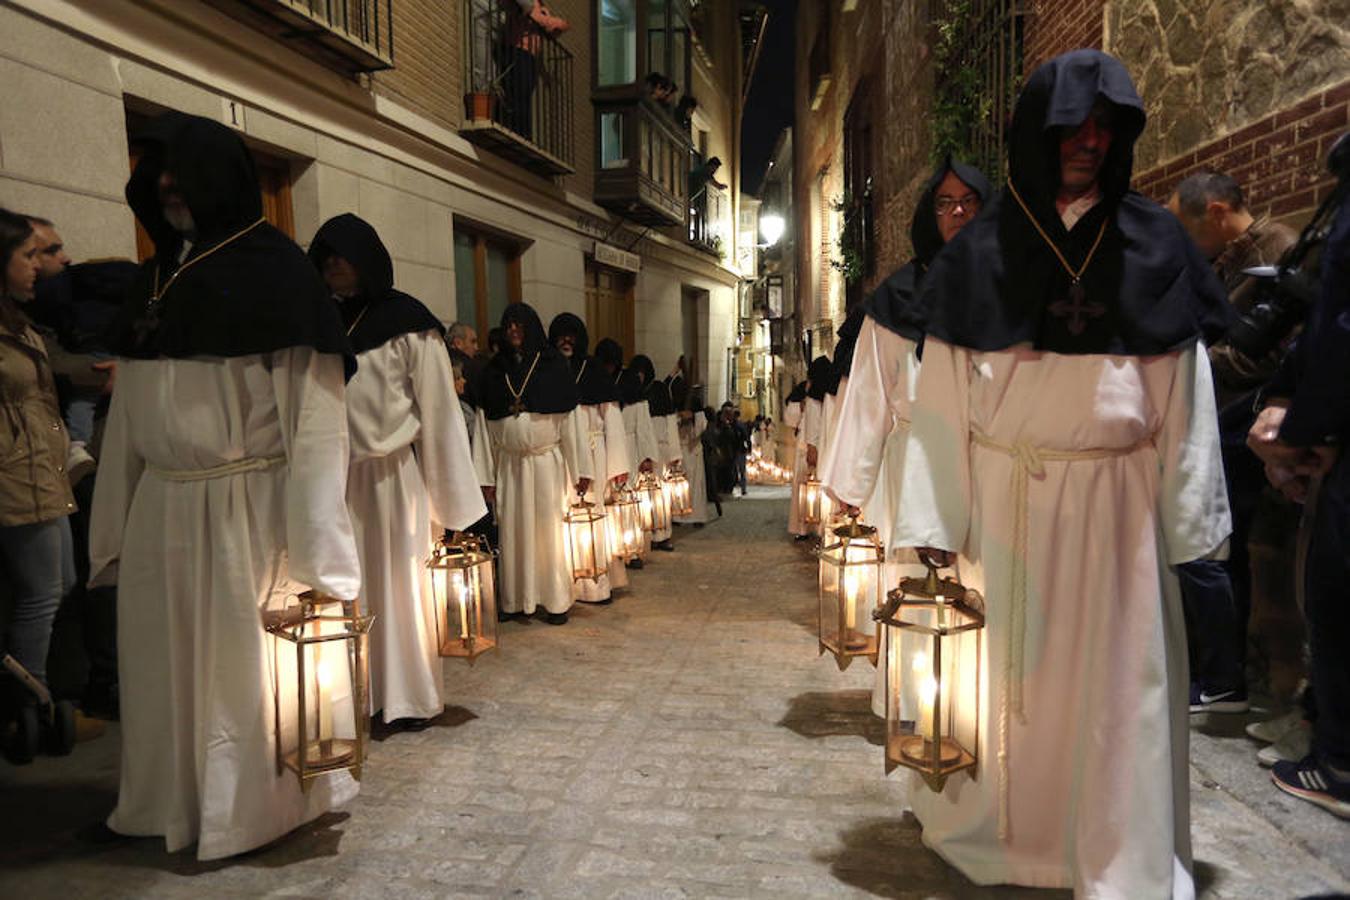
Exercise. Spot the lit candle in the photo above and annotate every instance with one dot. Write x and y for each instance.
(851, 580)
(323, 700)
(923, 673)
(462, 591)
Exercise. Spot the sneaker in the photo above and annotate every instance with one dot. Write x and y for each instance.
(1271, 730)
(1307, 780)
(79, 463)
(1292, 746)
(1234, 701)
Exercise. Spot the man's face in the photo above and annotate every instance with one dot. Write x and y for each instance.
(1206, 230)
(566, 344)
(51, 253)
(515, 335)
(341, 276)
(175, 206)
(460, 384)
(467, 342)
(955, 204)
(1082, 150)
(21, 270)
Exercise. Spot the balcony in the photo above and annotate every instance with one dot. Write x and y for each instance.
(644, 163)
(518, 81)
(708, 206)
(349, 35)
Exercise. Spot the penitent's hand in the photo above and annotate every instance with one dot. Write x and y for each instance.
(645, 466)
(583, 485)
(932, 556)
(110, 368)
(811, 455)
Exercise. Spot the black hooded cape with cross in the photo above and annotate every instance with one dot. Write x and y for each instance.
(535, 379)
(377, 313)
(654, 391)
(998, 283)
(894, 304)
(244, 287)
(594, 384)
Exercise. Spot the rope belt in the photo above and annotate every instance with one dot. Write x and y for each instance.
(224, 470)
(534, 451)
(1028, 462)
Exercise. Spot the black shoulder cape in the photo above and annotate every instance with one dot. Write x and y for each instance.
(797, 394)
(893, 305)
(844, 347)
(594, 384)
(654, 392)
(997, 284)
(379, 313)
(245, 287)
(818, 377)
(550, 389)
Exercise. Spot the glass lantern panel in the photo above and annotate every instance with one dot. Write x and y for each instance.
(936, 685)
(829, 602)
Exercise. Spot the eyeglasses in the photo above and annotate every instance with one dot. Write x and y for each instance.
(945, 206)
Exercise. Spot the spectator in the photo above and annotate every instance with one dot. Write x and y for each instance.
(528, 23)
(702, 175)
(35, 495)
(684, 110)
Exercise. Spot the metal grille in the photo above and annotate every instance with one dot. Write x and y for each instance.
(984, 73)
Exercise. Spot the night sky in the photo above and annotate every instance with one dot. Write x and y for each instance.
(768, 110)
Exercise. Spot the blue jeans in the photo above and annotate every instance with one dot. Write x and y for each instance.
(39, 564)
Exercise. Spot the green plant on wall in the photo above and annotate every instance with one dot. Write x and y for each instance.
(852, 259)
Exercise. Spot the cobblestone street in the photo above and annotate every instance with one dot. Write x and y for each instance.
(684, 742)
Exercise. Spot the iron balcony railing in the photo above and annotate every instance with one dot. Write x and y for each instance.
(356, 35)
(518, 87)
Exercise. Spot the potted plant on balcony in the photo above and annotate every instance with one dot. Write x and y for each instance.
(481, 102)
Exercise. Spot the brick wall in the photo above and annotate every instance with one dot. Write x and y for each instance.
(1280, 160)
(1056, 26)
(426, 75)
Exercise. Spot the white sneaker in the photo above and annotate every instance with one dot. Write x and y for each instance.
(1271, 730)
(1291, 747)
(79, 463)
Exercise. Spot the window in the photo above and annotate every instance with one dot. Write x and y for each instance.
(487, 277)
(617, 41)
(859, 226)
(668, 40)
(983, 72)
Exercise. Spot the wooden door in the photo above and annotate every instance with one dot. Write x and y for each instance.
(610, 300)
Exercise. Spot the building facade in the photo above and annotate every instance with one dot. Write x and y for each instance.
(497, 166)
(1258, 89)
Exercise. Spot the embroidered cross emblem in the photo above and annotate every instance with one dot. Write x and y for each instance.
(1077, 310)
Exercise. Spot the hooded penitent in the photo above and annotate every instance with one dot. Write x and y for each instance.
(845, 345)
(654, 392)
(818, 377)
(538, 373)
(893, 304)
(797, 394)
(998, 283)
(244, 287)
(378, 313)
(594, 384)
(632, 381)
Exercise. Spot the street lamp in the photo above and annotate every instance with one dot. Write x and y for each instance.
(771, 228)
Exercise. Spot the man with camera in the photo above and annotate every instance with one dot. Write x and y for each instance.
(1218, 594)
(1304, 418)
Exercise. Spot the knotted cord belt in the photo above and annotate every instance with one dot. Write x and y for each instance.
(238, 467)
(1028, 462)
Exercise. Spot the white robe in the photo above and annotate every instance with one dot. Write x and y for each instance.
(793, 414)
(642, 446)
(196, 561)
(607, 445)
(808, 435)
(1096, 776)
(533, 460)
(690, 433)
(410, 465)
(668, 454)
(866, 457)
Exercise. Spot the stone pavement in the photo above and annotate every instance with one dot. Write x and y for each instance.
(684, 742)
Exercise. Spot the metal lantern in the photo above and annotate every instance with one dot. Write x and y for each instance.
(464, 592)
(850, 591)
(677, 492)
(933, 633)
(322, 715)
(587, 540)
(811, 500)
(652, 499)
(625, 525)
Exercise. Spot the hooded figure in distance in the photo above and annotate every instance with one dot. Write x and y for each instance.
(1064, 442)
(639, 432)
(606, 442)
(219, 496)
(533, 456)
(410, 462)
(666, 429)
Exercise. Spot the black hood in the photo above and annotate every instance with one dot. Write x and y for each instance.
(654, 392)
(594, 384)
(997, 284)
(818, 375)
(610, 353)
(550, 388)
(797, 394)
(893, 305)
(379, 313)
(245, 288)
(846, 343)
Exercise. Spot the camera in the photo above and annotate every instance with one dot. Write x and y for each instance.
(1287, 292)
